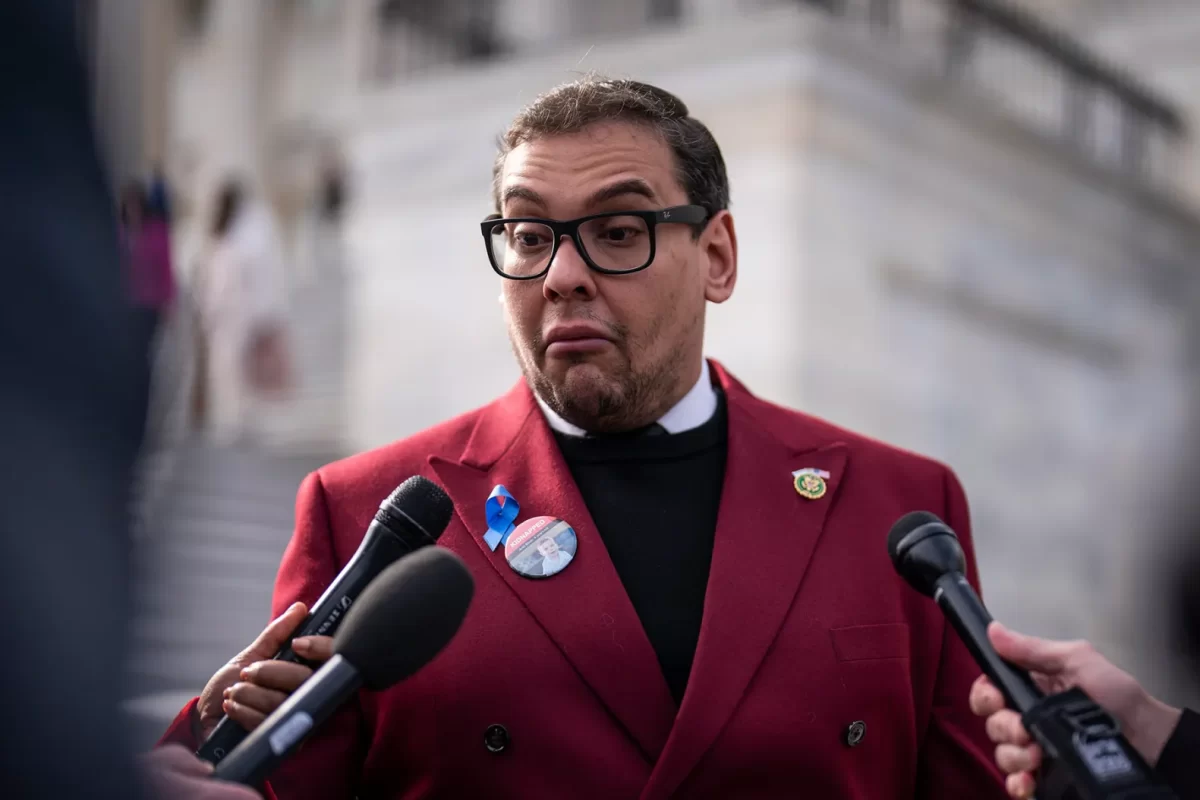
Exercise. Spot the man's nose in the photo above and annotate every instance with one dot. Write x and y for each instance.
(569, 275)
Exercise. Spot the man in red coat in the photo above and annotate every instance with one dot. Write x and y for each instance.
(728, 623)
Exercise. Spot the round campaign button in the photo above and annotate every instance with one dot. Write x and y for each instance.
(541, 547)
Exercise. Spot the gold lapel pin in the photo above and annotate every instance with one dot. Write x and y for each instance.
(810, 482)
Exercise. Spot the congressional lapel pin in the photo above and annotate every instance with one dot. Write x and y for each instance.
(810, 482)
(502, 509)
(541, 547)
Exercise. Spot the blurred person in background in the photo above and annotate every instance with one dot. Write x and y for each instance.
(325, 248)
(72, 405)
(146, 246)
(241, 300)
(1167, 738)
(158, 195)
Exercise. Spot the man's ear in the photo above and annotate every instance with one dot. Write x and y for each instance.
(719, 241)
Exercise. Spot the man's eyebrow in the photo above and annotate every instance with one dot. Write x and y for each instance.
(521, 193)
(631, 186)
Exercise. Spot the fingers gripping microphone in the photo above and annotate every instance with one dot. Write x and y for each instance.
(413, 516)
(402, 620)
(1089, 758)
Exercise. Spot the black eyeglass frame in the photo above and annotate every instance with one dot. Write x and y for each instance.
(685, 215)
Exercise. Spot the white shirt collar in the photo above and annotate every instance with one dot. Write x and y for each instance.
(695, 409)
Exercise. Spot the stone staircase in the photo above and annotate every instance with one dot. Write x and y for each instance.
(204, 569)
(212, 521)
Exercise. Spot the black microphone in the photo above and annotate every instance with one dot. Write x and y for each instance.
(402, 620)
(1088, 756)
(413, 516)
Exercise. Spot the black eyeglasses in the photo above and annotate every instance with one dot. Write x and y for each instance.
(615, 243)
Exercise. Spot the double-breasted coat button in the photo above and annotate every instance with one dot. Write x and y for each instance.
(496, 738)
(855, 732)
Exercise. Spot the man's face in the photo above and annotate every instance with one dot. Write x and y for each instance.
(547, 547)
(610, 352)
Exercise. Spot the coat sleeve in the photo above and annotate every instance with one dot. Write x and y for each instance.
(327, 765)
(183, 731)
(956, 755)
(1177, 763)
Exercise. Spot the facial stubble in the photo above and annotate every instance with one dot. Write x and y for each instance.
(616, 400)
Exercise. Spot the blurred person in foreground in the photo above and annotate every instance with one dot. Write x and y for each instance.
(241, 298)
(1167, 738)
(730, 624)
(71, 412)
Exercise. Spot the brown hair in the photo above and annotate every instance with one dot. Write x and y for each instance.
(230, 199)
(571, 107)
(133, 199)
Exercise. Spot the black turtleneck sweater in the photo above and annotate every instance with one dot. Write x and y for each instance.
(654, 500)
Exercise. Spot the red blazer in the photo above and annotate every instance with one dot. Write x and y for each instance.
(807, 629)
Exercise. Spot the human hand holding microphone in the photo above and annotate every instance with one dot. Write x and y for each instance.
(1088, 755)
(400, 623)
(1057, 667)
(253, 683)
(257, 681)
(402, 620)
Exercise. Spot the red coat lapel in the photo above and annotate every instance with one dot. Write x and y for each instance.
(585, 609)
(766, 533)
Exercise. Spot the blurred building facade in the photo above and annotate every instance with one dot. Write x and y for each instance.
(965, 235)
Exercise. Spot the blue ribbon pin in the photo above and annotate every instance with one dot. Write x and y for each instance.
(502, 509)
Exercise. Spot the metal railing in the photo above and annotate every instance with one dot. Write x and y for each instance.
(414, 37)
(1043, 74)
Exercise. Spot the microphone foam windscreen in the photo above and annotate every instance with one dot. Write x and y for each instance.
(423, 502)
(405, 616)
(906, 525)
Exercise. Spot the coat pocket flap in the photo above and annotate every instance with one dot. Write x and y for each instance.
(867, 642)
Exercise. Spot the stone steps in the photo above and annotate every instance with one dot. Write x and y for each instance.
(206, 565)
(213, 521)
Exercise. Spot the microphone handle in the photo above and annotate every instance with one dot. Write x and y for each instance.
(282, 732)
(970, 619)
(380, 547)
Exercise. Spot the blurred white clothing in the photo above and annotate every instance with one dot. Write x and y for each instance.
(241, 291)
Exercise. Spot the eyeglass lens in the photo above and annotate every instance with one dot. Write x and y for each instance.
(522, 249)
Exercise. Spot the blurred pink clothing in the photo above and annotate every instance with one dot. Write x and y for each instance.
(152, 281)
